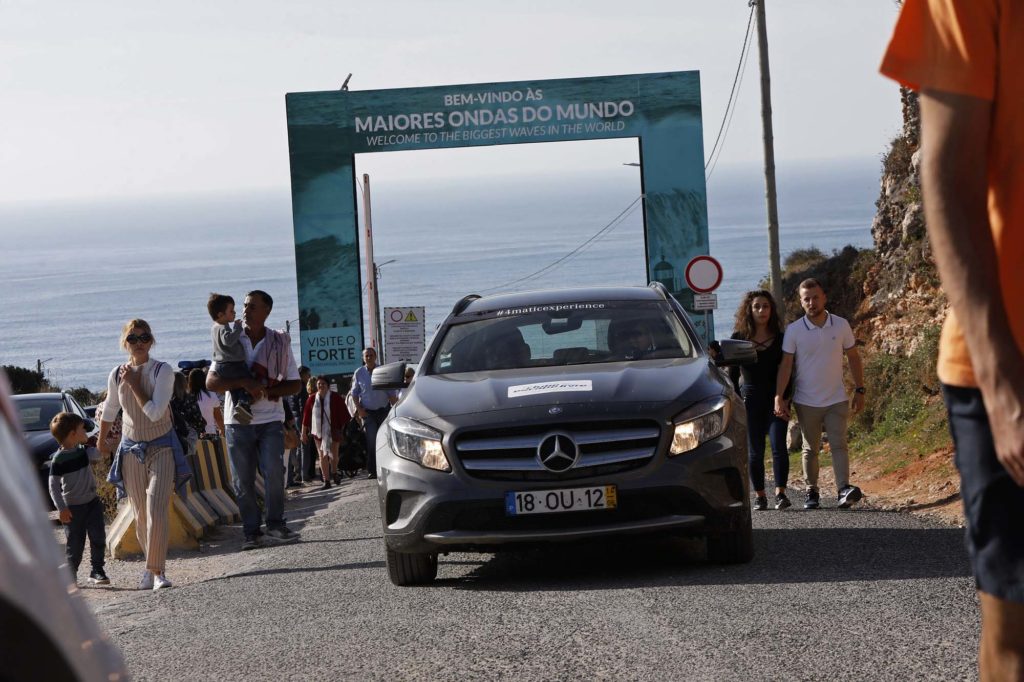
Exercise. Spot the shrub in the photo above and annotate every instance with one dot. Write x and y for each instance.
(901, 389)
(24, 380)
(802, 259)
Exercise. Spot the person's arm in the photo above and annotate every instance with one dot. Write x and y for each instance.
(357, 392)
(288, 387)
(307, 418)
(58, 499)
(111, 406)
(781, 382)
(218, 384)
(857, 370)
(229, 335)
(955, 131)
(154, 406)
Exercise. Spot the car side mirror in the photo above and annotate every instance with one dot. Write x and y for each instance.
(90, 424)
(733, 352)
(388, 377)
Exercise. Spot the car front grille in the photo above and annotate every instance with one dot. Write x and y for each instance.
(604, 448)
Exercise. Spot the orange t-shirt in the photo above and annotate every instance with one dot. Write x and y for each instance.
(976, 48)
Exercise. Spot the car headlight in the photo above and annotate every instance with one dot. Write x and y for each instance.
(700, 423)
(418, 443)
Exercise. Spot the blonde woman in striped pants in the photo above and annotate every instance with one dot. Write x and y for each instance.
(142, 388)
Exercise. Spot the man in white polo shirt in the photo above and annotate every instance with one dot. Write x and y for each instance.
(817, 343)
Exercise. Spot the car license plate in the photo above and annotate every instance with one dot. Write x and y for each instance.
(560, 500)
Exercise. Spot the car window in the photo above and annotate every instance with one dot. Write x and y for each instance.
(546, 336)
(36, 413)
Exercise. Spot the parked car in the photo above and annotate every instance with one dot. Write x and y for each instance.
(35, 411)
(49, 632)
(561, 415)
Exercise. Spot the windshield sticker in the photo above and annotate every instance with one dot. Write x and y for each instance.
(549, 387)
(555, 308)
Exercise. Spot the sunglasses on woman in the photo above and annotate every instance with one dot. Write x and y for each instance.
(139, 338)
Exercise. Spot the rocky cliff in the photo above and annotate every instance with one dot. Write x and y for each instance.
(891, 294)
(902, 295)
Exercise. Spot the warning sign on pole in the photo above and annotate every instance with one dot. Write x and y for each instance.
(404, 334)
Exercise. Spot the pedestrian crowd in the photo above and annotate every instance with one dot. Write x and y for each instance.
(275, 419)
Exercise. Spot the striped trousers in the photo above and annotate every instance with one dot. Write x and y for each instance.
(149, 485)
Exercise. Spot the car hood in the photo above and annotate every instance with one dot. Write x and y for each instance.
(651, 382)
(41, 444)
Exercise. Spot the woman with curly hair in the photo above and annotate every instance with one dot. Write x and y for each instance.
(757, 320)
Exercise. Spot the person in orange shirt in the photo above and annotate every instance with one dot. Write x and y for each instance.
(965, 57)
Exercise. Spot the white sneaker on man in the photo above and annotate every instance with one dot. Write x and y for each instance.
(160, 582)
(147, 581)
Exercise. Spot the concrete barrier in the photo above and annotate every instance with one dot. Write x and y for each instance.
(211, 480)
(195, 503)
(122, 541)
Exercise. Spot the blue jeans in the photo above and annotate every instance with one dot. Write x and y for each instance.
(762, 422)
(249, 447)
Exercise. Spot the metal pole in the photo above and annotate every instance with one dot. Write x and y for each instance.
(769, 156)
(371, 270)
(376, 305)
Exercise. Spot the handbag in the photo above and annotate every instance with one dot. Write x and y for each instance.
(291, 439)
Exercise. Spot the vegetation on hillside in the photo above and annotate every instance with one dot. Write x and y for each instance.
(24, 380)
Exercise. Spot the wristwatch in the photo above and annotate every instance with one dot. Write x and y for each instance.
(860, 389)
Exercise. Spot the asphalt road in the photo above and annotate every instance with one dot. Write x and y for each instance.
(830, 595)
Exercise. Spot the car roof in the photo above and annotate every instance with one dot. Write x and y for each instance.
(29, 396)
(552, 296)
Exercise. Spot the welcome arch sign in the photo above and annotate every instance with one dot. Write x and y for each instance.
(327, 129)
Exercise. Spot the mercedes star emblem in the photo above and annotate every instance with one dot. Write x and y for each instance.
(558, 452)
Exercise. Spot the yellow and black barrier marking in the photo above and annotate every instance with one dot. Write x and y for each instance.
(224, 466)
(196, 503)
(210, 481)
(123, 542)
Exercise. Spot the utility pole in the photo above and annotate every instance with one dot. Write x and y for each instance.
(769, 156)
(371, 269)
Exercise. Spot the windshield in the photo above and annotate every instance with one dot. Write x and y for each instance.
(551, 336)
(36, 413)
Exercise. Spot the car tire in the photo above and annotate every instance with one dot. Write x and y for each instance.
(411, 569)
(732, 547)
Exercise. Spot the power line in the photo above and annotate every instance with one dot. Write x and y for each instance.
(728, 124)
(731, 103)
(593, 239)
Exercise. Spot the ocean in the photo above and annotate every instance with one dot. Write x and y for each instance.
(73, 273)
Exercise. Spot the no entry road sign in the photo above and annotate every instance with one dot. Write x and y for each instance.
(703, 274)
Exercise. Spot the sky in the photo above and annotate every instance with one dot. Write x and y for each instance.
(120, 99)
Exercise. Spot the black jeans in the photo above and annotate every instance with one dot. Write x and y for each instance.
(86, 520)
(374, 418)
(761, 423)
(308, 460)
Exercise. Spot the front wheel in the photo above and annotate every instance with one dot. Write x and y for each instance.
(732, 547)
(411, 569)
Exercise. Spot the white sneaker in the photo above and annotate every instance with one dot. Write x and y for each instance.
(147, 581)
(160, 582)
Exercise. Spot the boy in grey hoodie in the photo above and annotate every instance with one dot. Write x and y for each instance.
(73, 491)
(228, 351)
